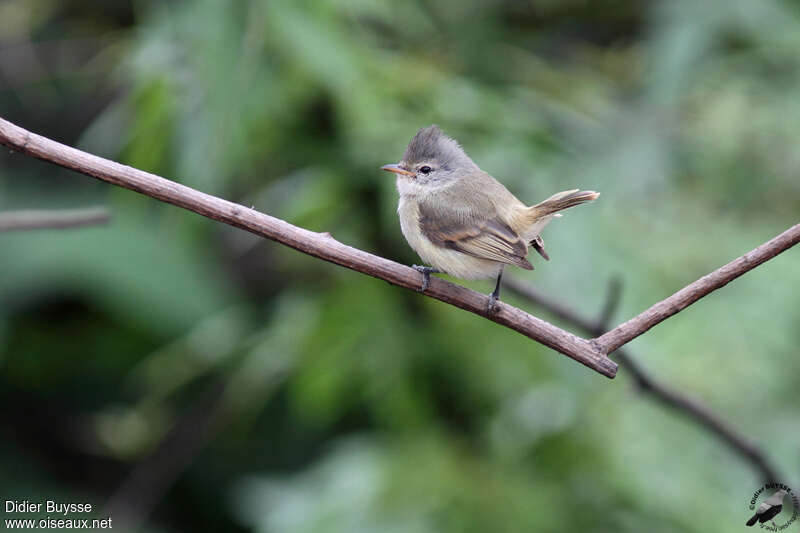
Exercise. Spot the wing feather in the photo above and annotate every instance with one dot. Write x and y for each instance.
(486, 238)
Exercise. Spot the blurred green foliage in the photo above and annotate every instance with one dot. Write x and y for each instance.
(332, 401)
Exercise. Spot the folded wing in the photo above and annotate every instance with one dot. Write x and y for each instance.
(487, 237)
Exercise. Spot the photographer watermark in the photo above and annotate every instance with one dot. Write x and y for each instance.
(57, 515)
(775, 507)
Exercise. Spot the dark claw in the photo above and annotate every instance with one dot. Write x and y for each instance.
(426, 281)
(494, 297)
(426, 272)
(491, 307)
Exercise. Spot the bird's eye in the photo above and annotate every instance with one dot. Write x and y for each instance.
(425, 170)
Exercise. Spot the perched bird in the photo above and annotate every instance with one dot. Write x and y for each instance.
(462, 221)
(769, 508)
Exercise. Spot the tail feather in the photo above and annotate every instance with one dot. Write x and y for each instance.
(753, 520)
(562, 200)
(537, 216)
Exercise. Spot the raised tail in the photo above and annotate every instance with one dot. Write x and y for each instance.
(537, 216)
(560, 201)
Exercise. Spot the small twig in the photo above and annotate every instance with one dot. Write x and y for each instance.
(613, 295)
(691, 407)
(30, 219)
(702, 414)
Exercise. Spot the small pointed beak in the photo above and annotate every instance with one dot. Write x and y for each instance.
(397, 169)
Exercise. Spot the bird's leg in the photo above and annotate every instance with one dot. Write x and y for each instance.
(426, 272)
(494, 297)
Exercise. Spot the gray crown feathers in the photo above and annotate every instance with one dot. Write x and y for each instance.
(431, 144)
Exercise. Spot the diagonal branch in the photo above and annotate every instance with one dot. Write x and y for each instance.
(320, 245)
(53, 219)
(627, 331)
(689, 406)
(592, 353)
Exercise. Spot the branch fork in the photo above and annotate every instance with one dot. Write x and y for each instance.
(592, 353)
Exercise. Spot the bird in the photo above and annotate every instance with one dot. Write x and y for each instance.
(463, 222)
(769, 508)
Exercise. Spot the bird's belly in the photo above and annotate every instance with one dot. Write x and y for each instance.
(448, 261)
(460, 265)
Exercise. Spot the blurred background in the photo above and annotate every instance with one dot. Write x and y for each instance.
(182, 375)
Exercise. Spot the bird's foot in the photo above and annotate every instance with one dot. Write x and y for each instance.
(426, 272)
(491, 306)
(494, 297)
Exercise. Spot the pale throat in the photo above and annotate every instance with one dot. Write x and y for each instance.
(411, 187)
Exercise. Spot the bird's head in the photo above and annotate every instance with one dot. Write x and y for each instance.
(432, 158)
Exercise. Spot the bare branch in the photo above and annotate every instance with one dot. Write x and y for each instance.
(624, 333)
(691, 407)
(701, 414)
(591, 353)
(53, 219)
(320, 245)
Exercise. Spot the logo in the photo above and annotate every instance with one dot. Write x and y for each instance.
(775, 507)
